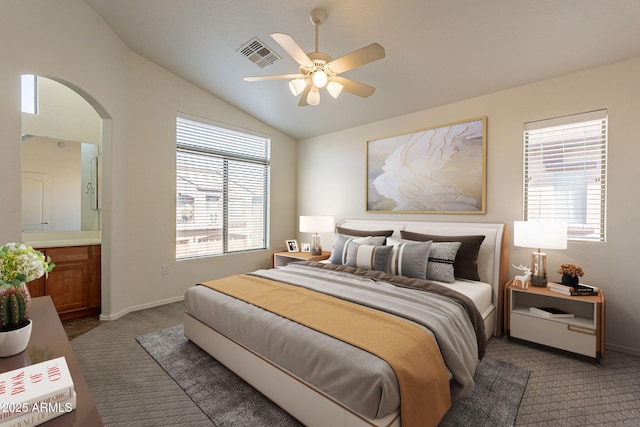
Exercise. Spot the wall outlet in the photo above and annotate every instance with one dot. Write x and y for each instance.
(165, 269)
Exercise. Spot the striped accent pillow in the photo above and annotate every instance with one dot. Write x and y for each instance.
(369, 257)
(409, 259)
(340, 245)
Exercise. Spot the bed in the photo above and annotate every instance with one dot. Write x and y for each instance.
(324, 379)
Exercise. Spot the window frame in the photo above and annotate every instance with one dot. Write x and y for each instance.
(214, 151)
(568, 153)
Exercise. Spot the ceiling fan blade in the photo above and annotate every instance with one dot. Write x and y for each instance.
(352, 60)
(303, 96)
(274, 77)
(292, 48)
(354, 87)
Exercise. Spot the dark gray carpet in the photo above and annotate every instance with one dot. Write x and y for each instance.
(224, 397)
(229, 401)
(495, 399)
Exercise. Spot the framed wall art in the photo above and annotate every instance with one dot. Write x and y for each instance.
(440, 169)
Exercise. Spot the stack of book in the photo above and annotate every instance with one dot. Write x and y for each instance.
(578, 290)
(35, 394)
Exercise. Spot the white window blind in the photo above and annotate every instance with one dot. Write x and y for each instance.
(222, 181)
(565, 173)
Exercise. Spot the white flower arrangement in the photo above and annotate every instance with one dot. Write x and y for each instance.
(20, 263)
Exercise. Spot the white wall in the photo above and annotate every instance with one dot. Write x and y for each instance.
(339, 159)
(66, 40)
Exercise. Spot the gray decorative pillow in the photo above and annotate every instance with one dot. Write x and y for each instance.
(409, 259)
(371, 257)
(340, 243)
(466, 263)
(441, 259)
(378, 237)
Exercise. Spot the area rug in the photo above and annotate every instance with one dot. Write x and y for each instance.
(230, 402)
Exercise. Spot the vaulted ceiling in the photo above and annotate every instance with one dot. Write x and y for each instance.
(437, 51)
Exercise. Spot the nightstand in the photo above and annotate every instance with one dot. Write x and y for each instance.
(282, 258)
(583, 334)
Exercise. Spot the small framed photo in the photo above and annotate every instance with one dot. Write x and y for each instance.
(292, 246)
(306, 247)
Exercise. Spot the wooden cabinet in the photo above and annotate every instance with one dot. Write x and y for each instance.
(583, 334)
(74, 284)
(282, 258)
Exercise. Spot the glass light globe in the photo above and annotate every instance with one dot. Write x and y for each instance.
(319, 79)
(296, 86)
(334, 89)
(313, 98)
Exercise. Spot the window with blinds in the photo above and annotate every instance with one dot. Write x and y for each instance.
(565, 173)
(222, 181)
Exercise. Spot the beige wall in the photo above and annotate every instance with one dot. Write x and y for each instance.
(332, 175)
(66, 40)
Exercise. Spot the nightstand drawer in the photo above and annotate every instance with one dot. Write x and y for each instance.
(554, 333)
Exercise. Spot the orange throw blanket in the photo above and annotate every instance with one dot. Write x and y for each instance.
(408, 349)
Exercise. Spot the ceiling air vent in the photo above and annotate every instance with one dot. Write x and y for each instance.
(258, 53)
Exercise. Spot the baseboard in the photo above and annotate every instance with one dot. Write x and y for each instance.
(621, 349)
(140, 307)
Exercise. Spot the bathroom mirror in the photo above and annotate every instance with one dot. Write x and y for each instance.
(61, 158)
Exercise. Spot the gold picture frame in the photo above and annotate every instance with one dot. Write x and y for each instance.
(440, 169)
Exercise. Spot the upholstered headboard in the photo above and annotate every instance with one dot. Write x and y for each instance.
(493, 257)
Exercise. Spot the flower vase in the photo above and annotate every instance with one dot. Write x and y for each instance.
(27, 296)
(569, 280)
(25, 291)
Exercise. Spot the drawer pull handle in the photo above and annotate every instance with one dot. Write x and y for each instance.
(581, 329)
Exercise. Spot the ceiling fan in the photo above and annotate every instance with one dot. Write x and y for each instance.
(318, 70)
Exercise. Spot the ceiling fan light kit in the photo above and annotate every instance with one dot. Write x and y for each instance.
(318, 70)
(313, 98)
(334, 89)
(297, 86)
(319, 79)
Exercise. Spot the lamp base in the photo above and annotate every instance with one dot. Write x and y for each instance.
(539, 269)
(539, 281)
(316, 245)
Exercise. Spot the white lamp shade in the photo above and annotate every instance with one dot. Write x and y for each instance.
(334, 89)
(543, 235)
(297, 86)
(316, 224)
(313, 98)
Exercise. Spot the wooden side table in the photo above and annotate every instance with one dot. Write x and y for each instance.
(49, 341)
(583, 334)
(282, 258)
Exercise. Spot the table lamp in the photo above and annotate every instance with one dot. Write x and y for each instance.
(316, 224)
(532, 234)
